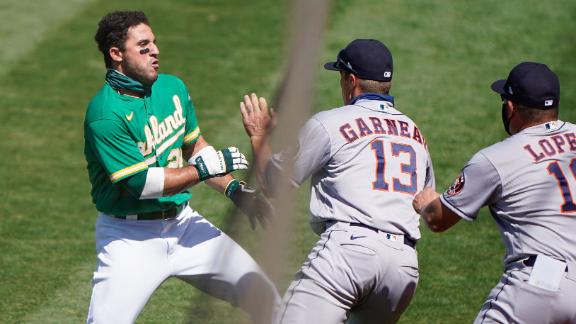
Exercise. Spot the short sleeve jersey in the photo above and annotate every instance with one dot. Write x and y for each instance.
(528, 181)
(366, 162)
(124, 135)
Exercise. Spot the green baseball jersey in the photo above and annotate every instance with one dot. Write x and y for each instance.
(124, 135)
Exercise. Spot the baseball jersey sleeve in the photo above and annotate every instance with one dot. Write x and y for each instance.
(115, 149)
(478, 185)
(430, 179)
(310, 154)
(192, 130)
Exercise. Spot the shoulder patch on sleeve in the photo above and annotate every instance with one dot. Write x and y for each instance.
(457, 186)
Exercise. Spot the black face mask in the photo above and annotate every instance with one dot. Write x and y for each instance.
(505, 119)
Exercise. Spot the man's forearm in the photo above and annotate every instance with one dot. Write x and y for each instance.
(220, 183)
(177, 180)
(261, 154)
(432, 214)
(438, 217)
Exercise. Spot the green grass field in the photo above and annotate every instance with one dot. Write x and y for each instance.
(446, 55)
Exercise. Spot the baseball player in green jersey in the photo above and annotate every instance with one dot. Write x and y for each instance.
(139, 130)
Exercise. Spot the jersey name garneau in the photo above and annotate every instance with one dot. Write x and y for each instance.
(125, 135)
(367, 160)
(528, 181)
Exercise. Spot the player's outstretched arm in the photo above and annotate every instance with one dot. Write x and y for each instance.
(205, 163)
(437, 217)
(250, 201)
(191, 152)
(258, 120)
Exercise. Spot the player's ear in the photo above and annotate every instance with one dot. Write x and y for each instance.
(353, 79)
(511, 107)
(510, 104)
(115, 54)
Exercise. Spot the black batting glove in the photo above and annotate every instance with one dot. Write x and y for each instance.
(251, 202)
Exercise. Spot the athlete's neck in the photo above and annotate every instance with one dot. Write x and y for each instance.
(372, 96)
(534, 123)
(121, 82)
(131, 93)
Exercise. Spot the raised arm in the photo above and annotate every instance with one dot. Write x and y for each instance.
(258, 120)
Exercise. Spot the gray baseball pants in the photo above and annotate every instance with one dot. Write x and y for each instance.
(514, 300)
(352, 275)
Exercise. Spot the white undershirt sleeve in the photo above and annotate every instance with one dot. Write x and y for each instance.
(154, 187)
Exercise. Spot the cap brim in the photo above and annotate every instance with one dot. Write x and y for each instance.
(498, 87)
(332, 66)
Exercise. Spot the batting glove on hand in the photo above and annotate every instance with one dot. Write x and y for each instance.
(251, 202)
(211, 163)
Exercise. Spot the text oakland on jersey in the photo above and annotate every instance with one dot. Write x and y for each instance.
(158, 132)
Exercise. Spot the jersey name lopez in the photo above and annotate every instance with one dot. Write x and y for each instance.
(551, 146)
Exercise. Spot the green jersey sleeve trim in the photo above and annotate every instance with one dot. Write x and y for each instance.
(192, 136)
(121, 174)
(115, 150)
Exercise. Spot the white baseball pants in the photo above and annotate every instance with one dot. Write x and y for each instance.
(136, 256)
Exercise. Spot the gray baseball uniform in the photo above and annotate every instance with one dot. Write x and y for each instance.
(366, 161)
(527, 181)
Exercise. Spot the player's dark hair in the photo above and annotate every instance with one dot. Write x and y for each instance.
(113, 29)
(537, 114)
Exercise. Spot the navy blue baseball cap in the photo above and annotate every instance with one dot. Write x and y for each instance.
(369, 59)
(531, 84)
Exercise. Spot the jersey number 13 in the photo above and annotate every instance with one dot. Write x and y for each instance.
(410, 168)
